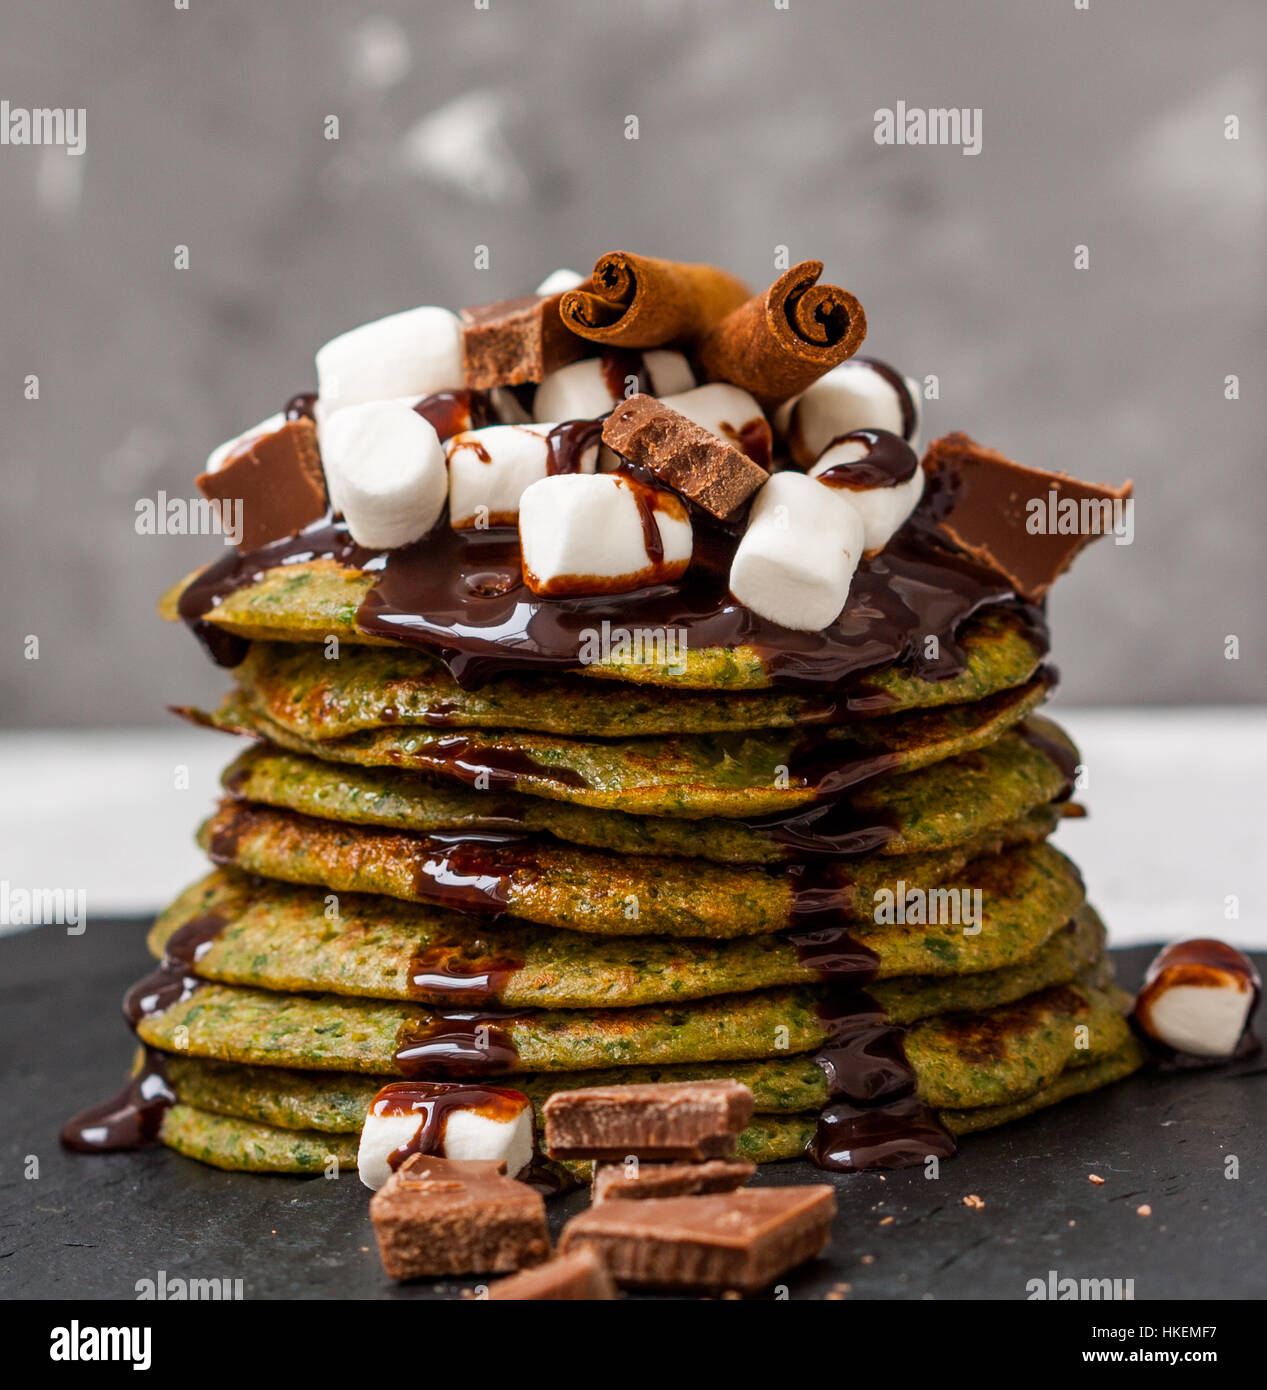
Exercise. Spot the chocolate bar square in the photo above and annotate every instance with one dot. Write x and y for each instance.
(679, 1119)
(277, 478)
(438, 1216)
(638, 1181)
(580, 1276)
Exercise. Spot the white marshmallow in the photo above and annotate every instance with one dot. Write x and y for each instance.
(1197, 998)
(559, 282)
(852, 396)
(580, 391)
(467, 1134)
(795, 561)
(883, 509)
(490, 468)
(220, 455)
(582, 534)
(415, 353)
(385, 472)
(721, 409)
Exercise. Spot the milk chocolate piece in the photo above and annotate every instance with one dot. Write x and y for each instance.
(279, 481)
(513, 341)
(734, 1240)
(578, 1277)
(679, 1119)
(438, 1216)
(703, 467)
(982, 500)
(635, 301)
(779, 343)
(683, 1179)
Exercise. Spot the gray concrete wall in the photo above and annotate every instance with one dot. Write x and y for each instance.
(506, 127)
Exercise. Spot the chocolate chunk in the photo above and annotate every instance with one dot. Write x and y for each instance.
(735, 1240)
(1025, 522)
(438, 1216)
(642, 1180)
(703, 467)
(278, 481)
(579, 1276)
(512, 341)
(680, 1119)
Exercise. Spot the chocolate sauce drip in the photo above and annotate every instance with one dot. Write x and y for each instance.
(173, 981)
(130, 1120)
(302, 407)
(898, 383)
(458, 1043)
(652, 541)
(444, 975)
(851, 1138)
(863, 1057)
(829, 828)
(1058, 752)
(451, 412)
(618, 365)
(567, 444)
(756, 440)
(473, 873)
(887, 462)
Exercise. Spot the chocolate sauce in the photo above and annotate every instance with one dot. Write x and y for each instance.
(458, 1043)
(447, 975)
(173, 980)
(645, 499)
(852, 1138)
(898, 383)
(451, 412)
(302, 407)
(568, 443)
(473, 873)
(829, 828)
(130, 1120)
(756, 440)
(888, 462)
(433, 1102)
(863, 1057)
(619, 366)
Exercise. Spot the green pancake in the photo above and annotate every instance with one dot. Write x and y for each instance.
(280, 937)
(318, 600)
(585, 890)
(988, 1057)
(297, 687)
(690, 775)
(931, 809)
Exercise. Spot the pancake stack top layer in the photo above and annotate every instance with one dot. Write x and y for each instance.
(630, 703)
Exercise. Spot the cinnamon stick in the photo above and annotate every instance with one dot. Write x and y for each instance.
(643, 302)
(782, 341)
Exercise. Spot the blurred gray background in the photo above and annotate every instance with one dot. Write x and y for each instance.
(506, 127)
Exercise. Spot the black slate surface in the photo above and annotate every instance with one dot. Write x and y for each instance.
(92, 1227)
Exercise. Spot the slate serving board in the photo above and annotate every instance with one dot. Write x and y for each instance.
(92, 1227)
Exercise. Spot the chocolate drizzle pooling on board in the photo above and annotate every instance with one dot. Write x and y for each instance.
(460, 595)
(133, 1118)
(853, 1138)
(130, 1120)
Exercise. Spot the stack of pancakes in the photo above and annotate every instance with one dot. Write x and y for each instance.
(573, 879)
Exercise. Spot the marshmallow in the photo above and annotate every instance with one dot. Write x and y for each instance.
(795, 561)
(559, 282)
(416, 353)
(490, 468)
(853, 396)
(1198, 997)
(385, 472)
(587, 389)
(220, 455)
(482, 1124)
(883, 508)
(583, 534)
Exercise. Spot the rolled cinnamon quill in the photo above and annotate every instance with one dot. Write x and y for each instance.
(643, 302)
(782, 341)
